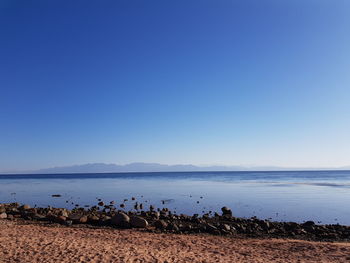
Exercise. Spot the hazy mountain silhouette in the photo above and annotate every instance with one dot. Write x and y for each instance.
(132, 167)
(156, 167)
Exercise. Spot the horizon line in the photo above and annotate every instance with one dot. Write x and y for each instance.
(224, 168)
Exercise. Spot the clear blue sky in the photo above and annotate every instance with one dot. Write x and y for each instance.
(186, 81)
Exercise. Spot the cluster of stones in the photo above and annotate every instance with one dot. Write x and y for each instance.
(165, 221)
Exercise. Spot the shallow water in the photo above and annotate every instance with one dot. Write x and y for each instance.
(321, 196)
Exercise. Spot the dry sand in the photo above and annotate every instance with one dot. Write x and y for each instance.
(37, 243)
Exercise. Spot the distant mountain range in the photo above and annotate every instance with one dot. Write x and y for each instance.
(156, 167)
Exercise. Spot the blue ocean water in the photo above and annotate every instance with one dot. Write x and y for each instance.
(321, 196)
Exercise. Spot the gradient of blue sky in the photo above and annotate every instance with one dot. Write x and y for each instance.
(201, 82)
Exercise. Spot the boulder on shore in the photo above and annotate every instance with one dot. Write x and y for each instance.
(78, 218)
(120, 219)
(226, 211)
(136, 221)
(160, 224)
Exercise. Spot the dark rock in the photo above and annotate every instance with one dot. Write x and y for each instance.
(223, 232)
(233, 230)
(24, 207)
(93, 218)
(155, 215)
(163, 213)
(38, 217)
(290, 226)
(139, 222)
(101, 204)
(206, 216)
(75, 217)
(264, 224)
(172, 226)
(61, 219)
(120, 219)
(185, 217)
(309, 223)
(160, 224)
(78, 218)
(210, 228)
(68, 222)
(300, 232)
(226, 211)
(105, 220)
(144, 213)
(56, 195)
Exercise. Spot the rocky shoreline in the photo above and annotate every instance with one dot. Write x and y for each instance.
(164, 221)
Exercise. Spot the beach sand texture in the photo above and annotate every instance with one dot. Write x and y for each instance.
(36, 243)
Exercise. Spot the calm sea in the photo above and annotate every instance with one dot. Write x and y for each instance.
(321, 196)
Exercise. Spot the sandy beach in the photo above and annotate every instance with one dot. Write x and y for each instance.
(23, 242)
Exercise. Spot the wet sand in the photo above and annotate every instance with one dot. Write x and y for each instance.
(37, 243)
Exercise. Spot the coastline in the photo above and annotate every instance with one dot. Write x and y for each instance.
(104, 234)
(165, 221)
(26, 241)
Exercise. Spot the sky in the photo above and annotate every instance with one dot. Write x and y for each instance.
(239, 82)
